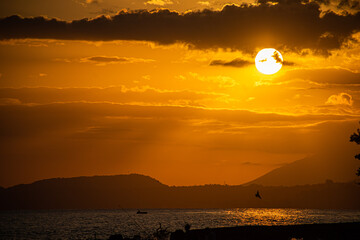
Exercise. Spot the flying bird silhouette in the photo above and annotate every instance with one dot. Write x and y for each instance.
(258, 195)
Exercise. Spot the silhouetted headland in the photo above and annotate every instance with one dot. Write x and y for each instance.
(310, 170)
(143, 192)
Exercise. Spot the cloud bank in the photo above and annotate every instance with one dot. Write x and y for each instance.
(287, 25)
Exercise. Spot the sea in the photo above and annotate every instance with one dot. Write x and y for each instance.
(100, 224)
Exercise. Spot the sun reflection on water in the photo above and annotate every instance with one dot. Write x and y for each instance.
(262, 216)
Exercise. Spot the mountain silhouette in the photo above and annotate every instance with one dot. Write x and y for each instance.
(311, 170)
(142, 192)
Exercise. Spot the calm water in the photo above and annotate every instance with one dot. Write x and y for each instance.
(84, 224)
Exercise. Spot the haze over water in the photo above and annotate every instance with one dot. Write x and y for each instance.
(85, 224)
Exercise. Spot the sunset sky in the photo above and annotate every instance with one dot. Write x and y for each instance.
(99, 87)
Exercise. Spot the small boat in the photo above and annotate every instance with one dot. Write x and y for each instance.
(140, 212)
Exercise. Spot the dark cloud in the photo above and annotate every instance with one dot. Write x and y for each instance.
(102, 60)
(237, 62)
(340, 4)
(287, 63)
(352, 4)
(107, 59)
(277, 58)
(291, 24)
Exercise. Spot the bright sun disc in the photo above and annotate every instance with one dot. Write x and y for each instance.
(268, 61)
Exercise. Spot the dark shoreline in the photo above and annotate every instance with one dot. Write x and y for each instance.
(316, 231)
(326, 231)
(333, 231)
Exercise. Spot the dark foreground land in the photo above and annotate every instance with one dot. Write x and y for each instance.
(333, 231)
(310, 231)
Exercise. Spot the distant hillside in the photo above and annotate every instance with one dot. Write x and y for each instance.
(81, 192)
(137, 191)
(311, 170)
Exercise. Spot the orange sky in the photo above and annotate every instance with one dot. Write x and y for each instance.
(175, 94)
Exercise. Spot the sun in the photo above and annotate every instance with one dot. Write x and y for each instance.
(268, 61)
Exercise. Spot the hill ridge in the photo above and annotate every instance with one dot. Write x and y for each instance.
(310, 170)
(145, 192)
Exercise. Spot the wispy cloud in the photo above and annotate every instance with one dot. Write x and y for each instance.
(9, 101)
(141, 95)
(204, 3)
(159, 2)
(104, 60)
(220, 80)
